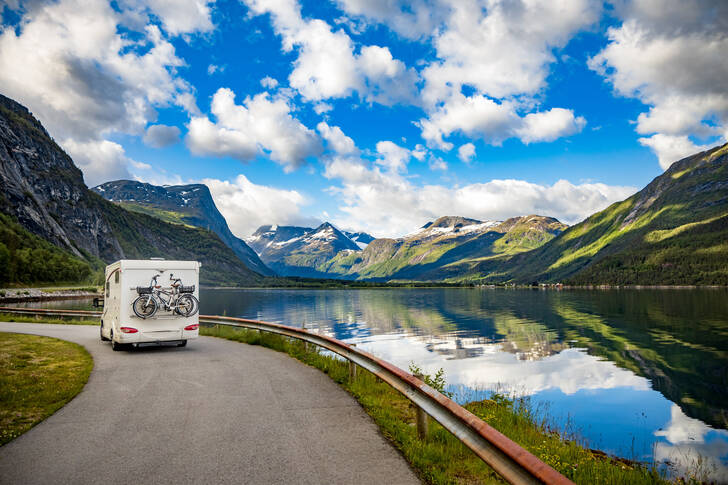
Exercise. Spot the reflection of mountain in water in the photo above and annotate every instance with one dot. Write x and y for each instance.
(677, 339)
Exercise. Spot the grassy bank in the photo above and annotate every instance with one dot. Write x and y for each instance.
(11, 317)
(442, 459)
(38, 376)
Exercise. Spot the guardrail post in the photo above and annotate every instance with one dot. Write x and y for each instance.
(423, 419)
(352, 368)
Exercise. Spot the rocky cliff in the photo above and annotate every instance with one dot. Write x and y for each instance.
(44, 192)
(181, 204)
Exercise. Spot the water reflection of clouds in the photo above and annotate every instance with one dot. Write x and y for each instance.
(693, 448)
(489, 367)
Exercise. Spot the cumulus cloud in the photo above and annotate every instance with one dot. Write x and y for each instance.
(672, 58)
(247, 206)
(260, 125)
(413, 19)
(213, 68)
(481, 117)
(670, 149)
(268, 82)
(100, 161)
(177, 16)
(160, 136)
(466, 152)
(392, 156)
(378, 197)
(337, 141)
(501, 49)
(87, 70)
(328, 66)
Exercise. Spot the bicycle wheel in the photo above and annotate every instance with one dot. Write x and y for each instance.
(145, 306)
(187, 305)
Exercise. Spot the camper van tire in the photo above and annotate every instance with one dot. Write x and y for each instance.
(101, 331)
(116, 346)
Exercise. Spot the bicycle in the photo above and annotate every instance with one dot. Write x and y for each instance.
(180, 299)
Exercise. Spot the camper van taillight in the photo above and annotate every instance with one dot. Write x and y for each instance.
(129, 330)
(194, 326)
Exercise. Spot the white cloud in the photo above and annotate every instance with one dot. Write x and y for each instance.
(87, 70)
(140, 165)
(327, 65)
(268, 82)
(412, 19)
(337, 141)
(481, 117)
(437, 163)
(392, 156)
(549, 125)
(160, 136)
(89, 79)
(388, 204)
(499, 48)
(100, 161)
(247, 206)
(466, 152)
(213, 68)
(672, 57)
(670, 149)
(177, 16)
(260, 125)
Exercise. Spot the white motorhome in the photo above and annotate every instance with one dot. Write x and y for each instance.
(158, 288)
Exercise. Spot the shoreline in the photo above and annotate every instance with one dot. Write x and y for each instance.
(20, 295)
(23, 295)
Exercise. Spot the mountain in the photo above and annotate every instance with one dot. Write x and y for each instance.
(444, 248)
(672, 232)
(42, 193)
(180, 204)
(300, 251)
(360, 238)
(440, 249)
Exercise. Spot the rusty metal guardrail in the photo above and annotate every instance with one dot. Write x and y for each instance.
(508, 459)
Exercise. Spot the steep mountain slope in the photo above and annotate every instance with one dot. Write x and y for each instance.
(180, 204)
(299, 251)
(44, 192)
(360, 238)
(674, 231)
(28, 259)
(445, 248)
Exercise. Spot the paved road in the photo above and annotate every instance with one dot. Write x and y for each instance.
(213, 412)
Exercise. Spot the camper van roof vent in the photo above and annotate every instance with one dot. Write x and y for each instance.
(157, 259)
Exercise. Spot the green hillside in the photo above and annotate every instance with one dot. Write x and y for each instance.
(143, 236)
(672, 232)
(28, 259)
(445, 249)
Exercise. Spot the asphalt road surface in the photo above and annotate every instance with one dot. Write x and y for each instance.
(215, 411)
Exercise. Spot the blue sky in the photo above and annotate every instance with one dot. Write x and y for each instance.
(377, 115)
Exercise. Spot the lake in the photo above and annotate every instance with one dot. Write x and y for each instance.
(641, 374)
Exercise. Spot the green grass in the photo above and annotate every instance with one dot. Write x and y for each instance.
(11, 317)
(39, 375)
(443, 459)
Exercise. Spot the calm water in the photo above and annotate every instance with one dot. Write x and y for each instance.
(637, 373)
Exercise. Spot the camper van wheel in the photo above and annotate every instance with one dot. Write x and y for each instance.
(116, 346)
(101, 331)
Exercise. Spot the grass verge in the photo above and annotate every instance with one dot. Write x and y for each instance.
(442, 459)
(11, 317)
(38, 375)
